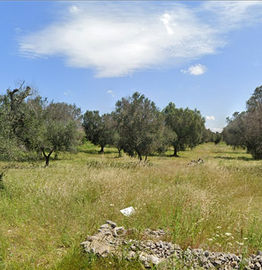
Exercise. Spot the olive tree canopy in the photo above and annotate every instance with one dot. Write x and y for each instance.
(187, 125)
(139, 124)
(97, 128)
(245, 129)
(29, 124)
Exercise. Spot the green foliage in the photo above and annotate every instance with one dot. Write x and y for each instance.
(217, 137)
(139, 124)
(32, 125)
(139, 128)
(244, 129)
(13, 111)
(61, 124)
(187, 126)
(98, 129)
(233, 133)
(210, 136)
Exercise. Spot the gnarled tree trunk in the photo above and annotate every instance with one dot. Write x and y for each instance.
(102, 150)
(175, 152)
(47, 156)
(139, 155)
(119, 152)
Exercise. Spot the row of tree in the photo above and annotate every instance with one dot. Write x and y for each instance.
(139, 128)
(244, 129)
(30, 126)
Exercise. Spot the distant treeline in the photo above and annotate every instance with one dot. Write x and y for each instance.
(33, 128)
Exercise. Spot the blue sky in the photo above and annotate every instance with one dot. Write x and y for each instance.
(198, 54)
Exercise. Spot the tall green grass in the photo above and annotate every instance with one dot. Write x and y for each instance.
(47, 212)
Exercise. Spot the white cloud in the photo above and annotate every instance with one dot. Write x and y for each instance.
(210, 118)
(66, 93)
(216, 129)
(111, 93)
(166, 18)
(119, 38)
(233, 14)
(73, 9)
(195, 70)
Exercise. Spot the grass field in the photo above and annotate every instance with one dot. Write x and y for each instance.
(47, 212)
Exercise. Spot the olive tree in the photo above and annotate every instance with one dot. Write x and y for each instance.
(62, 123)
(245, 129)
(29, 124)
(187, 125)
(13, 111)
(234, 132)
(98, 129)
(139, 124)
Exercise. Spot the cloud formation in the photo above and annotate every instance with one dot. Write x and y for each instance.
(217, 129)
(210, 118)
(111, 93)
(195, 70)
(119, 38)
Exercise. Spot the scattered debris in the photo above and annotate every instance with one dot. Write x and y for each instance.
(128, 211)
(195, 162)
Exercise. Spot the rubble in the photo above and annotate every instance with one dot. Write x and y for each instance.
(153, 251)
(196, 162)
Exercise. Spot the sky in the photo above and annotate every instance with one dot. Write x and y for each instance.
(204, 55)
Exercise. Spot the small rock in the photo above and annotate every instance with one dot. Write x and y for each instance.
(105, 232)
(111, 223)
(259, 253)
(105, 226)
(118, 231)
(206, 253)
(257, 266)
(131, 255)
(153, 259)
(234, 264)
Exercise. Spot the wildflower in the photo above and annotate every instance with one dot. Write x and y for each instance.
(218, 227)
(228, 234)
(241, 244)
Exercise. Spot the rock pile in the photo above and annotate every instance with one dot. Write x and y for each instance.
(113, 240)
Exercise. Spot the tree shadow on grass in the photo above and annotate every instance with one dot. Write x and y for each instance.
(88, 151)
(97, 151)
(233, 152)
(235, 158)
